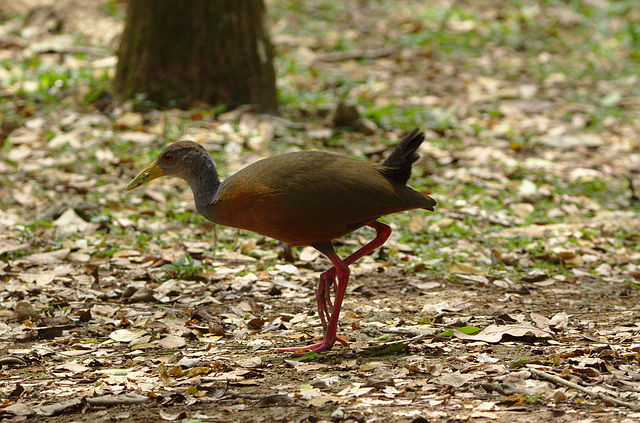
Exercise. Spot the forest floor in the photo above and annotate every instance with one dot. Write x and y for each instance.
(517, 300)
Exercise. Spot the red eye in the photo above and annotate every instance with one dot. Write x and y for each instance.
(168, 157)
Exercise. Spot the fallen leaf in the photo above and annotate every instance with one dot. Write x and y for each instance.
(73, 366)
(10, 245)
(466, 268)
(171, 342)
(309, 254)
(49, 257)
(126, 335)
(559, 321)
(322, 400)
(40, 279)
(494, 333)
(527, 188)
(457, 379)
(18, 409)
(273, 400)
(416, 223)
(522, 210)
(249, 362)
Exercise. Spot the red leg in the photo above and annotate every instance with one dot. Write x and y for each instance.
(323, 297)
(330, 312)
(330, 329)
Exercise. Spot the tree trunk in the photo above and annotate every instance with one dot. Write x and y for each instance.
(178, 52)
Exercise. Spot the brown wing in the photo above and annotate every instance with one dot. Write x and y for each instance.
(308, 197)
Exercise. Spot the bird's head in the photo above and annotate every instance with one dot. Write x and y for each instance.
(179, 159)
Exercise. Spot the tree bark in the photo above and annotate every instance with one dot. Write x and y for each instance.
(178, 52)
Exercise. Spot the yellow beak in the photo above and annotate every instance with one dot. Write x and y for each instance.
(149, 174)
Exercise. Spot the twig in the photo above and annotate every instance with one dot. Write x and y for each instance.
(358, 54)
(558, 380)
(88, 50)
(411, 332)
(407, 341)
(632, 188)
(286, 122)
(128, 398)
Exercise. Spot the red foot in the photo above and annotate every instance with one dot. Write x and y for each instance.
(316, 348)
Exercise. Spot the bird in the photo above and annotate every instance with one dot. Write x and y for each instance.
(302, 198)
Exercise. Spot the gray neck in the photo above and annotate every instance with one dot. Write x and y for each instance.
(204, 184)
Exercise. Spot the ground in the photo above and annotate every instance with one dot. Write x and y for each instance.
(516, 300)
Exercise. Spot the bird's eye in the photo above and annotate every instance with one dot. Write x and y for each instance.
(168, 157)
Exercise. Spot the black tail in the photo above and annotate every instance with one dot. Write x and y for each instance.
(398, 164)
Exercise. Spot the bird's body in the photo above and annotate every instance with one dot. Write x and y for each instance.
(301, 198)
(296, 197)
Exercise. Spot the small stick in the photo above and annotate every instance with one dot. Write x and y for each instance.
(634, 195)
(560, 381)
(358, 54)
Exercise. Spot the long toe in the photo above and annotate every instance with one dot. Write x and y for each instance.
(316, 348)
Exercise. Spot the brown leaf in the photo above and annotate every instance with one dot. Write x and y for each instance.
(143, 295)
(24, 311)
(273, 400)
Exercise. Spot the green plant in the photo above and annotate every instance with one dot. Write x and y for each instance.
(185, 266)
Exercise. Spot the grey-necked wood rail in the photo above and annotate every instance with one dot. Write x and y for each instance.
(302, 198)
